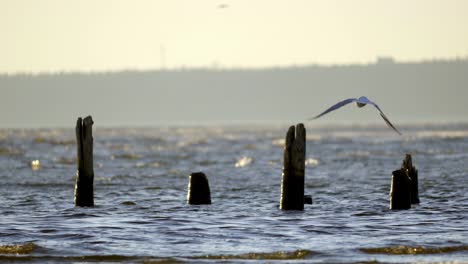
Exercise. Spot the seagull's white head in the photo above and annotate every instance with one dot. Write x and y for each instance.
(362, 101)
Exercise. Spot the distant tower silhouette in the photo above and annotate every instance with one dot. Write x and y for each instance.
(385, 60)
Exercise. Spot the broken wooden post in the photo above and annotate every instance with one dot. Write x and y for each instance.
(307, 199)
(84, 188)
(292, 183)
(412, 173)
(400, 190)
(198, 189)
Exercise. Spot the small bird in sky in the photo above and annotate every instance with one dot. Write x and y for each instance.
(222, 6)
(360, 102)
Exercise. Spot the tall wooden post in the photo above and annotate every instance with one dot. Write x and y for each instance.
(198, 189)
(412, 173)
(84, 188)
(292, 183)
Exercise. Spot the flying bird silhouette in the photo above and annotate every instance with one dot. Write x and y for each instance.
(360, 102)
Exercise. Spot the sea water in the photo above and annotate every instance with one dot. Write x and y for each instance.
(141, 214)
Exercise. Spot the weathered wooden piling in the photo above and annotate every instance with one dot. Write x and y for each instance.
(292, 183)
(412, 173)
(198, 189)
(84, 188)
(400, 190)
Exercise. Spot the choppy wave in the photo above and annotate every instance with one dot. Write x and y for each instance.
(127, 156)
(444, 134)
(243, 162)
(141, 214)
(89, 259)
(279, 255)
(51, 141)
(311, 162)
(411, 250)
(22, 249)
(9, 151)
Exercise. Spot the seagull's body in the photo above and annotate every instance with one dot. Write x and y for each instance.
(360, 102)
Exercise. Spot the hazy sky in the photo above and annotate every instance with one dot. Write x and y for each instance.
(55, 35)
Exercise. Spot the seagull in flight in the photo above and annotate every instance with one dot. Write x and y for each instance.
(360, 102)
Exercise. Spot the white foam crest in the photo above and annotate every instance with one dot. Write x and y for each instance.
(243, 162)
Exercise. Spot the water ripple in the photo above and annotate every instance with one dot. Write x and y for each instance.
(141, 212)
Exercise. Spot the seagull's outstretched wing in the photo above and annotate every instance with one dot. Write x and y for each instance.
(336, 106)
(384, 117)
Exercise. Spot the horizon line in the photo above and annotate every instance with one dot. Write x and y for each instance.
(252, 123)
(379, 60)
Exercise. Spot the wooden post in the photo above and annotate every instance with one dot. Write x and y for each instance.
(412, 173)
(84, 188)
(292, 183)
(400, 191)
(198, 189)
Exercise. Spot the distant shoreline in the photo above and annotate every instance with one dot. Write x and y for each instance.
(380, 61)
(419, 92)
